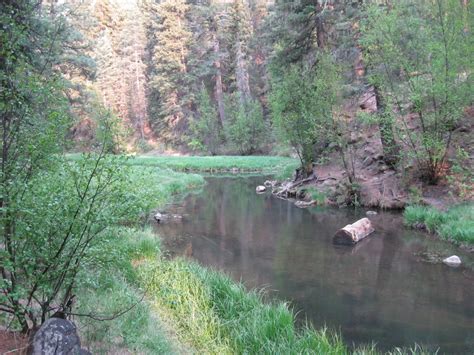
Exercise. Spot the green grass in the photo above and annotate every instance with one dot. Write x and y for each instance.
(263, 164)
(219, 316)
(316, 195)
(216, 315)
(456, 224)
(113, 286)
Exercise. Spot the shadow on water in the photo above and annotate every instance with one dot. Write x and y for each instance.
(381, 290)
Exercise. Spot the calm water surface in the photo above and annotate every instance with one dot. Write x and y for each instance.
(381, 290)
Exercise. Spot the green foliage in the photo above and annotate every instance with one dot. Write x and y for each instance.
(316, 195)
(457, 224)
(264, 164)
(302, 104)
(419, 54)
(206, 129)
(246, 129)
(227, 318)
(170, 98)
(113, 288)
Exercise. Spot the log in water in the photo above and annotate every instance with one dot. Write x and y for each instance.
(353, 233)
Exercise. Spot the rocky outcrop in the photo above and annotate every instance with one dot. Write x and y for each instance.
(57, 336)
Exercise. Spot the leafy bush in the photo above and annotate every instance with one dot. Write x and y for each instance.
(246, 129)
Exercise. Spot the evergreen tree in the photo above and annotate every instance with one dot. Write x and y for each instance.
(246, 130)
(207, 132)
(169, 40)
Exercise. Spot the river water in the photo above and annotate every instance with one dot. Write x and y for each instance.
(383, 290)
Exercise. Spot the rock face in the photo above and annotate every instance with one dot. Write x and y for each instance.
(453, 260)
(353, 233)
(56, 336)
(260, 189)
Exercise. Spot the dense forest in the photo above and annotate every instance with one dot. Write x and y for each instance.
(373, 99)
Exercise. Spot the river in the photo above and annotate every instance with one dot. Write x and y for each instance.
(383, 290)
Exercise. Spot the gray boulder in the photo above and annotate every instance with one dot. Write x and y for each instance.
(57, 336)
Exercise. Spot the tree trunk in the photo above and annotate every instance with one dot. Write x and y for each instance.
(320, 32)
(353, 233)
(242, 75)
(219, 94)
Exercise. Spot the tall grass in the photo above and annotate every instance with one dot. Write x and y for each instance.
(219, 316)
(113, 286)
(456, 224)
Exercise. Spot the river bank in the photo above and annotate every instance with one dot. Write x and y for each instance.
(177, 306)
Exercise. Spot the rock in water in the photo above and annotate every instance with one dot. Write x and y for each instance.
(453, 260)
(260, 189)
(57, 336)
(371, 213)
(353, 233)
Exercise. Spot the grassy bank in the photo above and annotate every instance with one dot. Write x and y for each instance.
(177, 306)
(456, 224)
(262, 164)
(189, 309)
(113, 286)
(218, 316)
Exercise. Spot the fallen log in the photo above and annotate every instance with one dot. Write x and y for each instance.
(353, 233)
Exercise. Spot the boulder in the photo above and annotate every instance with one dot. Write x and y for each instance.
(56, 336)
(371, 213)
(353, 233)
(260, 189)
(453, 261)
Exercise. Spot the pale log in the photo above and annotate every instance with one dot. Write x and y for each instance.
(353, 233)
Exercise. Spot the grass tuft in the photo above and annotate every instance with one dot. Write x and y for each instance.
(456, 224)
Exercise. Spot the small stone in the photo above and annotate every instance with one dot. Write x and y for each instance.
(158, 217)
(371, 213)
(260, 189)
(453, 260)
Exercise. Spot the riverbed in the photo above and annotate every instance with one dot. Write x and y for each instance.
(389, 289)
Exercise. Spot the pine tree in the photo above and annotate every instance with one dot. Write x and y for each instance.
(207, 131)
(169, 100)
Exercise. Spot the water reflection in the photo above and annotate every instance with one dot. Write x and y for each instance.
(376, 291)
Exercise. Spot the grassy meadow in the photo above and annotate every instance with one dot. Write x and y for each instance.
(261, 164)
